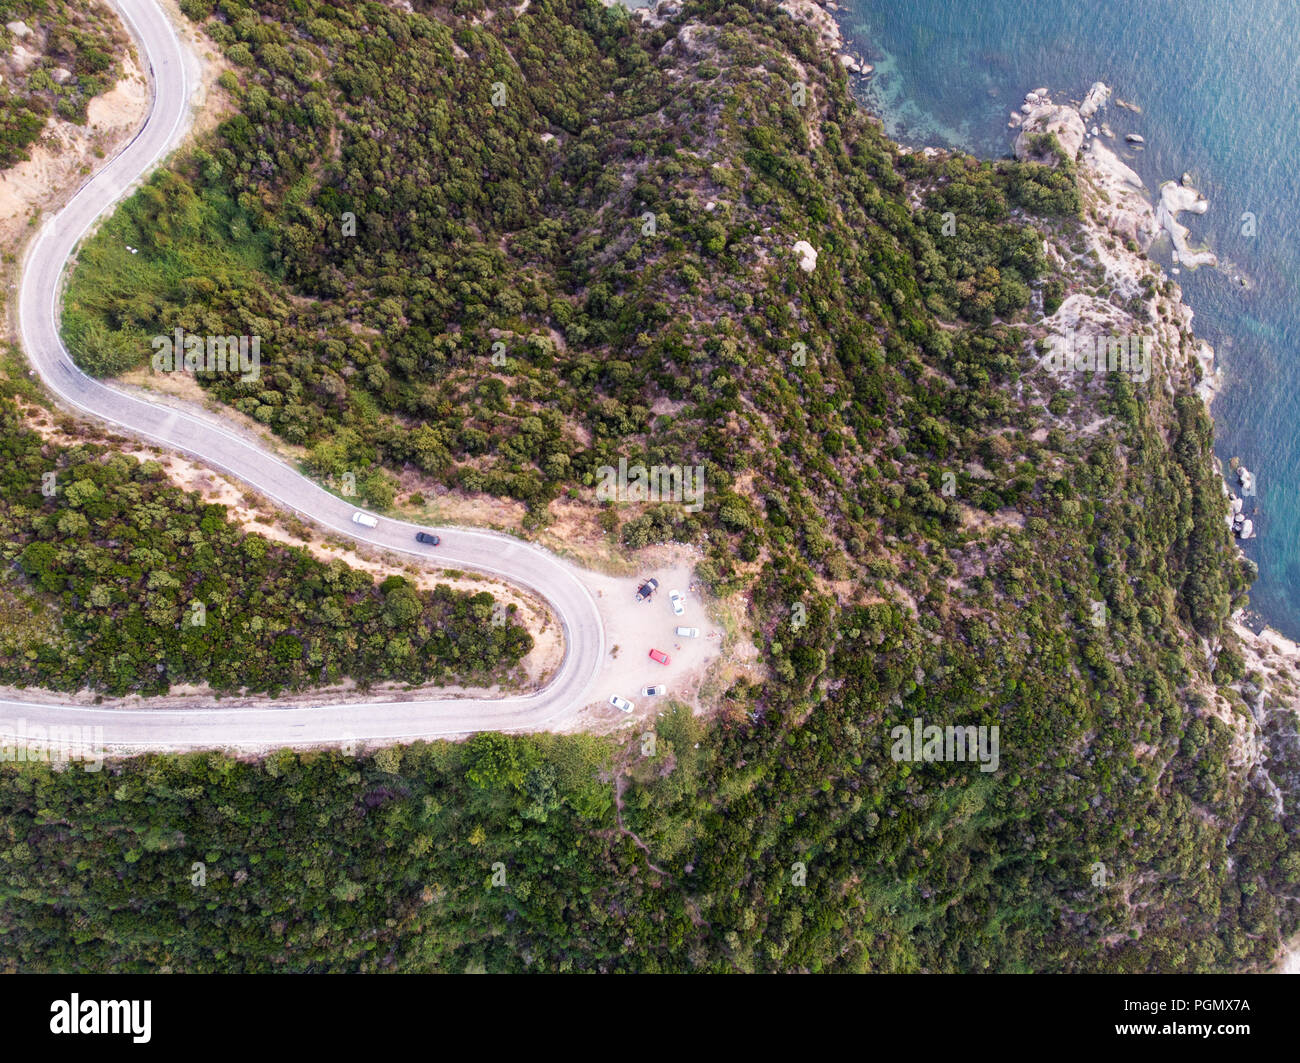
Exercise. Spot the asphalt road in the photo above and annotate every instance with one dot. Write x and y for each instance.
(173, 73)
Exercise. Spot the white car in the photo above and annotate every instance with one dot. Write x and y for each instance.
(366, 519)
(679, 603)
(687, 632)
(655, 691)
(621, 703)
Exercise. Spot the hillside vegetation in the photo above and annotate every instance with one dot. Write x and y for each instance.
(923, 527)
(55, 57)
(118, 582)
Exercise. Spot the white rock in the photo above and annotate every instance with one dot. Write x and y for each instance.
(1247, 530)
(22, 58)
(1064, 122)
(1174, 199)
(1236, 504)
(1096, 98)
(807, 255)
(18, 29)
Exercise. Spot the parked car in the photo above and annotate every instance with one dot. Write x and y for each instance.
(655, 691)
(647, 589)
(366, 519)
(659, 655)
(687, 632)
(426, 537)
(621, 703)
(679, 603)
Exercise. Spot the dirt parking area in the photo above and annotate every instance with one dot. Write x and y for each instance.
(633, 629)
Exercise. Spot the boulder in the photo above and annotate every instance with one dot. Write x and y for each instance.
(1096, 98)
(807, 255)
(22, 58)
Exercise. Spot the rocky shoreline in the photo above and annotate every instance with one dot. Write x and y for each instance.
(818, 14)
(1122, 223)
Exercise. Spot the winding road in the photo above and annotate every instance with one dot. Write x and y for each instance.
(173, 73)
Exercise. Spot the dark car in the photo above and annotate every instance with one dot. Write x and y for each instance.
(647, 589)
(425, 537)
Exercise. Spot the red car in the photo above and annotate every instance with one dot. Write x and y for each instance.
(659, 655)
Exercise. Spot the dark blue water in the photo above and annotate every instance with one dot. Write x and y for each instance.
(1219, 86)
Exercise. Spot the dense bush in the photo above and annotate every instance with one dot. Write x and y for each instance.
(122, 583)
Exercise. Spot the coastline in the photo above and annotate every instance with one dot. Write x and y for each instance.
(1122, 222)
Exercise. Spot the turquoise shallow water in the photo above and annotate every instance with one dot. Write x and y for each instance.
(1219, 87)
